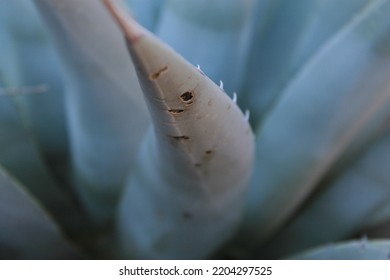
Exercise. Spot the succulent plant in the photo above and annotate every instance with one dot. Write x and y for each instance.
(115, 143)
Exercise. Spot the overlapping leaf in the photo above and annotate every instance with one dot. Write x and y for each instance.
(285, 35)
(26, 231)
(353, 201)
(332, 108)
(106, 113)
(21, 157)
(355, 250)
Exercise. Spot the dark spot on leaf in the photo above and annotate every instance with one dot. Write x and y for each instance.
(175, 111)
(158, 73)
(229, 107)
(187, 97)
(208, 152)
(197, 165)
(181, 137)
(210, 103)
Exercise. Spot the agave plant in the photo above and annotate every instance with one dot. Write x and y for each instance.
(122, 135)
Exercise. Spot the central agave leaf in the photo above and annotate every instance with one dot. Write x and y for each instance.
(181, 183)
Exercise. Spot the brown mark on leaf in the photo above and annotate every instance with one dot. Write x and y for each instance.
(158, 73)
(187, 97)
(175, 111)
(177, 141)
(208, 155)
(229, 107)
(183, 137)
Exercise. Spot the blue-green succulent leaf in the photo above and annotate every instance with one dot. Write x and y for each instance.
(327, 109)
(106, 114)
(36, 64)
(285, 35)
(355, 200)
(26, 230)
(186, 196)
(19, 153)
(219, 36)
(352, 250)
(21, 157)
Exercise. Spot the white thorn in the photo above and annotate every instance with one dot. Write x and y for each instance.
(234, 99)
(198, 66)
(221, 85)
(247, 114)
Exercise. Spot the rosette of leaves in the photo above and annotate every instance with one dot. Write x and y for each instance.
(115, 143)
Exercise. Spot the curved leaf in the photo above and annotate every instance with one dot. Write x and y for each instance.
(186, 196)
(353, 250)
(285, 35)
(20, 156)
(26, 231)
(106, 114)
(349, 204)
(331, 109)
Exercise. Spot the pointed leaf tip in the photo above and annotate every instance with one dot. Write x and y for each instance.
(198, 134)
(132, 30)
